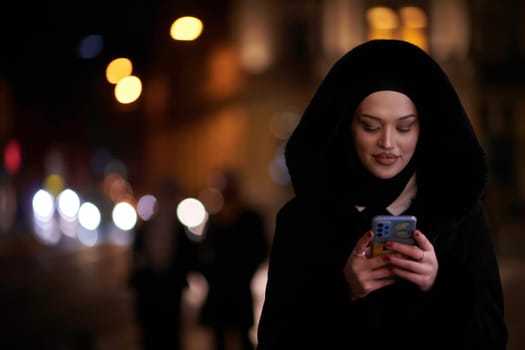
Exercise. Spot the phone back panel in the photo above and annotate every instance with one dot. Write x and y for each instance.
(392, 228)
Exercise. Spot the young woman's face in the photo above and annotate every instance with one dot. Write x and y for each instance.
(385, 128)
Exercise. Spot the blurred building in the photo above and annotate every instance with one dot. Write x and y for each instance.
(232, 97)
(261, 60)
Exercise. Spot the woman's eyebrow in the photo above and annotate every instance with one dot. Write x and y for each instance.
(411, 115)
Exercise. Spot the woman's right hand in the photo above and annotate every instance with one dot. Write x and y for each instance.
(363, 273)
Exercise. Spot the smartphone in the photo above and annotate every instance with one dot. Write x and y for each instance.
(397, 228)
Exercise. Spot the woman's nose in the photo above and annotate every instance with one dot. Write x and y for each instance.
(385, 139)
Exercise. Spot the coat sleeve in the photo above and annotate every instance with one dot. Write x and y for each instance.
(468, 290)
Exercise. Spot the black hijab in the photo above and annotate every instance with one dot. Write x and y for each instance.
(449, 162)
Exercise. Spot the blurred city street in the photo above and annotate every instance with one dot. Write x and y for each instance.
(227, 96)
(74, 297)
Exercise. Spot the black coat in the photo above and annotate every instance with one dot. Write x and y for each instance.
(307, 302)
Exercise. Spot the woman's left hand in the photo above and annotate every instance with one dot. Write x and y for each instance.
(415, 263)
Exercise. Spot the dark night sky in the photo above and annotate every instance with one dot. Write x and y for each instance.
(62, 100)
(59, 99)
(39, 42)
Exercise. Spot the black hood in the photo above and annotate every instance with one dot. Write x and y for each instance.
(449, 162)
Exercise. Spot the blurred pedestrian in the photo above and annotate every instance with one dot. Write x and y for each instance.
(233, 248)
(163, 255)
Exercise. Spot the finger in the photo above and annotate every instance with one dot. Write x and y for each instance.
(405, 264)
(407, 275)
(363, 243)
(376, 279)
(421, 279)
(422, 241)
(408, 250)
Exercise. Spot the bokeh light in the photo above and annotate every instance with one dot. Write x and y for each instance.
(118, 69)
(124, 216)
(191, 212)
(128, 89)
(54, 184)
(186, 28)
(89, 216)
(43, 205)
(68, 204)
(146, 206)
(12, 157)
(90, 46)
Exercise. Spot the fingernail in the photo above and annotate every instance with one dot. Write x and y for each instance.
(416, 233)
(369, 234)
(388, 244)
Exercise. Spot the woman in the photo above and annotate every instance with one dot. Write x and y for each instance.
(384, 134)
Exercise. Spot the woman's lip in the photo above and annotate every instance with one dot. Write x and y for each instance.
(385, 158)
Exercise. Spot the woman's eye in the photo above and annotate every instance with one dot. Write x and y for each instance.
(405, 128)
(370, 128)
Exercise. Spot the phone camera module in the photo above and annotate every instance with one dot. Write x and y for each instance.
(382, 229)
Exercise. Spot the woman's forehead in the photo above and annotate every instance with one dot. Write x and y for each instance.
(387, 101)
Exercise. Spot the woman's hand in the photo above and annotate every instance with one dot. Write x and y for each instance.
(364, 274)
(417, 264)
